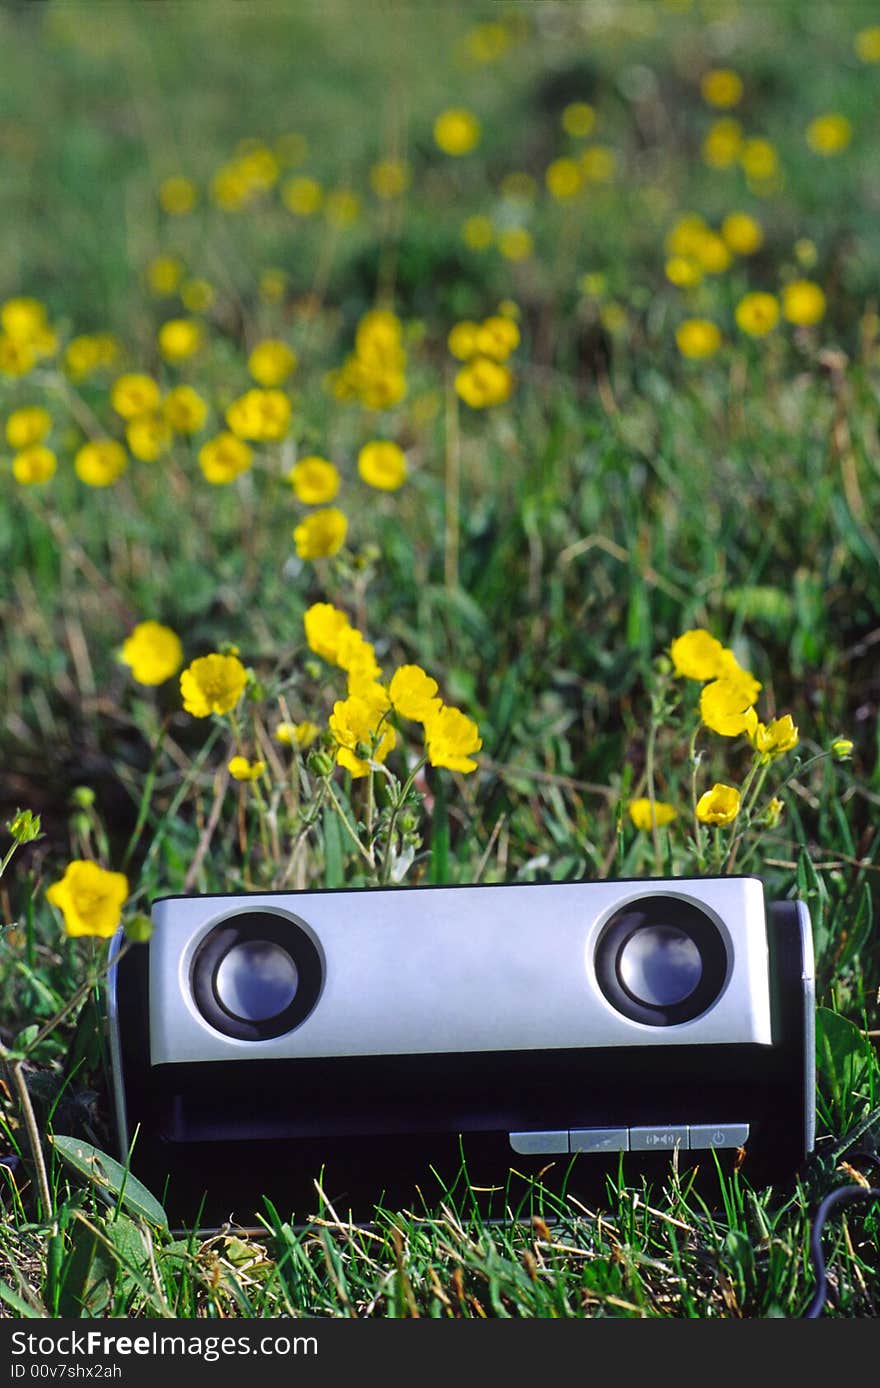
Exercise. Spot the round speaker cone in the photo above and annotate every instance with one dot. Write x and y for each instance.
(256, 980)
(660, 965)
(661, 960)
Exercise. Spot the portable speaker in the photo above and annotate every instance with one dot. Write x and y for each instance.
(376, 1039)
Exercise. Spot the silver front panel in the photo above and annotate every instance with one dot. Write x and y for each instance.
(433, 970)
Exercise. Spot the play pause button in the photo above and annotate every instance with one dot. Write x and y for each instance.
(658, 1139)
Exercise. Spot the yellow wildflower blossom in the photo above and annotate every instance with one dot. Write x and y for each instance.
(456, 131)
(382, 464)
(314, 480)
(34, 465)
(152, 652)
(720, 805)
(321, 534)
(413, 693)
(212, 684)
(642, 818)
(100, 462)
(90, 898)
(451, 739)
(726, 708)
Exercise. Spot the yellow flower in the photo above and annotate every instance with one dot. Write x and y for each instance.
(259, 414)
(757, 314)
(271, 362)
(698, 338)
(515, 243)
(185, 410)
(100, 462)
(722, 87)
(829, 134)
(696, 655)
(356, 656)
(212, 684)
(712, 253)
(742, 233)
(578, 119)
(164, 274)
(758, 159)
(324, 626)
(478, 232)
(148, 437)
(301, 734)
(805, 252)
(177, 195)
(240, 769)
(357, 723)
(686, 236)
(34, 465)
(197, 295)
(803, 303)
(314, 480)
(773, 739)
(224, 458)
(564, 179)
(732, 672)
(462, 339)
(456, 131)
(90, 898)
(496, 337)
(598, 164)
(640, 814)
(483, 382)
(413, 693)
(451, 738)
(682, 272)
(723, 143)
(486, 42)
(720, 805)
(382, 464)
(89, 352)
(180, 338)
(302, 196)
(24, 319)
(28, 426)
(841, 748)
(726, 708)
(867, 44)
(321, 534)
(134, 394)
(389, 178)
(152, 652)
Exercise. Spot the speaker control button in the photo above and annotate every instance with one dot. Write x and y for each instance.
(599, 1139)
(658, 1139)
(537, 1144)
(719, 1134)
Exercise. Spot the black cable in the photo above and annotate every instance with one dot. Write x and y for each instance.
(844, 1195)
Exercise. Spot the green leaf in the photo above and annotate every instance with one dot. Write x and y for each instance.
(842, 1056)
(89, 1275)
(112, 1181)
(20, 1307)
(334, 856)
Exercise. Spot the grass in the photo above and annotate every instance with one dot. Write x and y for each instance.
(538, 562)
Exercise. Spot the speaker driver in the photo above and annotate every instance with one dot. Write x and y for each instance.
(661, 961)
(256, 975)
